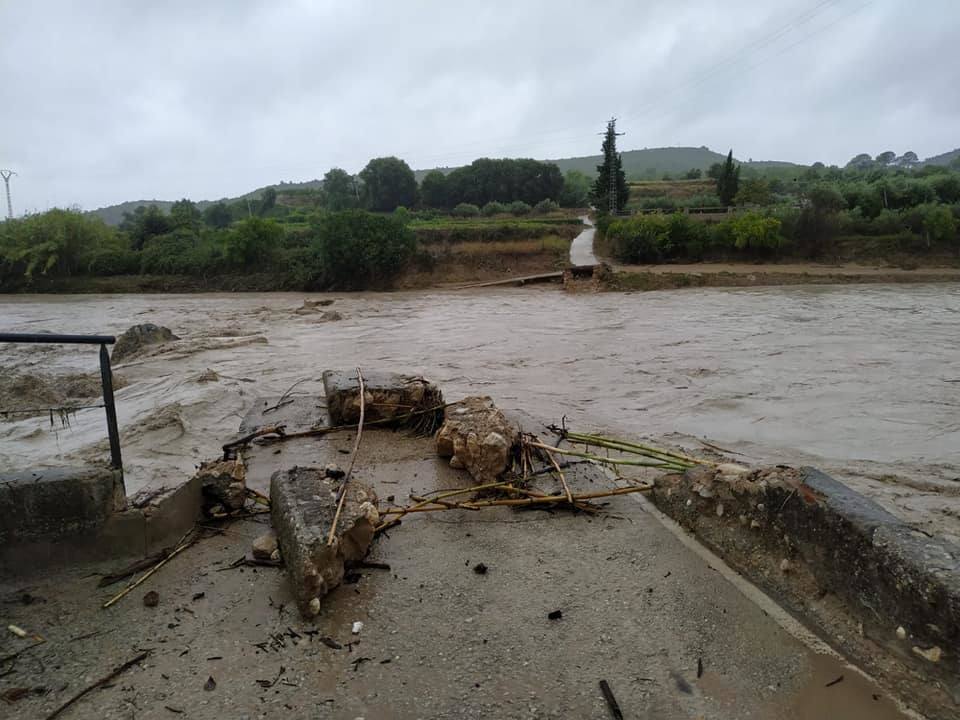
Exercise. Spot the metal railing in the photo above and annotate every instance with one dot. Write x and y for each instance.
(106, 376)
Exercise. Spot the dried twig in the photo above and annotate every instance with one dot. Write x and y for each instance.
(102, 681)
(353, 460)
(563, 480)
(181, 546)
(513, 502)
(133, 569)
(229, 447)
(285, 399)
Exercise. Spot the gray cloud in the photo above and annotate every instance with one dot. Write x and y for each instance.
(102, 102)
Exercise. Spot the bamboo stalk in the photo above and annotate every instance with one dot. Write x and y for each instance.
(353, 459)
(181, 546)
(661, 464)
(563, 480)
(445, 503)
(627, 446)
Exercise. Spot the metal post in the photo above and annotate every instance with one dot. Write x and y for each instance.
(106, 376)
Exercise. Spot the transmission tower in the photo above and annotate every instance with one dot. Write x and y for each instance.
(6, 175)
(611, 160)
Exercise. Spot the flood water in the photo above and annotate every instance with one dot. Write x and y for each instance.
(860, 380)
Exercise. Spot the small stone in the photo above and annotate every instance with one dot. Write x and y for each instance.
(151, 599)
(334, 471)
(785, 566)
(477, 436)
(719, 509)
(275, 555)
(901, 633)
(357, 627)
(932, 655)
(744, 519)
(761, 507)
(754, 524)
(313, 607)
(265, 546)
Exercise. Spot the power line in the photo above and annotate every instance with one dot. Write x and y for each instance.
(759, 43)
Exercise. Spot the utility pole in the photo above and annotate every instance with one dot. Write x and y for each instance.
(6, 175)
(611, 160)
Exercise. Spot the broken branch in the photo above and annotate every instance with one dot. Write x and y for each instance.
(353, 460)
(102, 681)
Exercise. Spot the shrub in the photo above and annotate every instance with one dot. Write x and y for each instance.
(360, 249)
(546, 206)
(755, 232)
(494, 208)
(465, 210)
(113, 261)
(519, 207)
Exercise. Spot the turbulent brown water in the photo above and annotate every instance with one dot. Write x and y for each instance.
(860, 380)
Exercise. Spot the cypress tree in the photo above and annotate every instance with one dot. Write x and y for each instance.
(612, 163)
(729, 181)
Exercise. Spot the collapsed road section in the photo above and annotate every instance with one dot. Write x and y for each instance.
(375, 550)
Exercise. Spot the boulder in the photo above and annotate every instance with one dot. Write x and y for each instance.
(303, 503)
(223, 482)
(265, 546)
(134, 340)
(387, 396)
(477, 436)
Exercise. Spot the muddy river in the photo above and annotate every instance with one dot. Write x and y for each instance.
(863, 381)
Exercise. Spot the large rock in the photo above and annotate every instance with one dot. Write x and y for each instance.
(134, 340)
(387, 396)
(478, 437)
(223, 482)
(303, 502)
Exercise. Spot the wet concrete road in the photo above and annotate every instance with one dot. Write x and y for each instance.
(639, 609)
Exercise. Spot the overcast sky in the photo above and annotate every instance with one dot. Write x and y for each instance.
(102, 102)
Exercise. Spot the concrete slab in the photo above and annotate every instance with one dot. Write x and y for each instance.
(639, 609)
(874, 587)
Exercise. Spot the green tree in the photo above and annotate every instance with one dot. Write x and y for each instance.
(715, 171)
(144, 223)
(252, 242)
(360, 250)
(610, 169)
(754, 192)
(184, 214)
(752, 231)
(388, 182)
(339, 190)
(728, 184)
(433, 190)
(576, 190)
(268, 201)
(886, 158)
(693, 174)
(217, 216)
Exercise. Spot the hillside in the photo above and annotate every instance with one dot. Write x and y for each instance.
(644, 164)
(944, 158)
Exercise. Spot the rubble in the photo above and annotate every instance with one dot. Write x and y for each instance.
(303, 503)
(265, 546)
(223, 482)
(388, 396)
(138, 337)
(477, 436)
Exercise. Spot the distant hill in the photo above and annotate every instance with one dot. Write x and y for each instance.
(943, 159)
(644, 164)
(653, 163)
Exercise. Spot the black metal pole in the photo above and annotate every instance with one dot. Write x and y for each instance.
(55, 338)
(106, 376)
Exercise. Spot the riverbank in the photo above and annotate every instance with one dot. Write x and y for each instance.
(671, 277)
